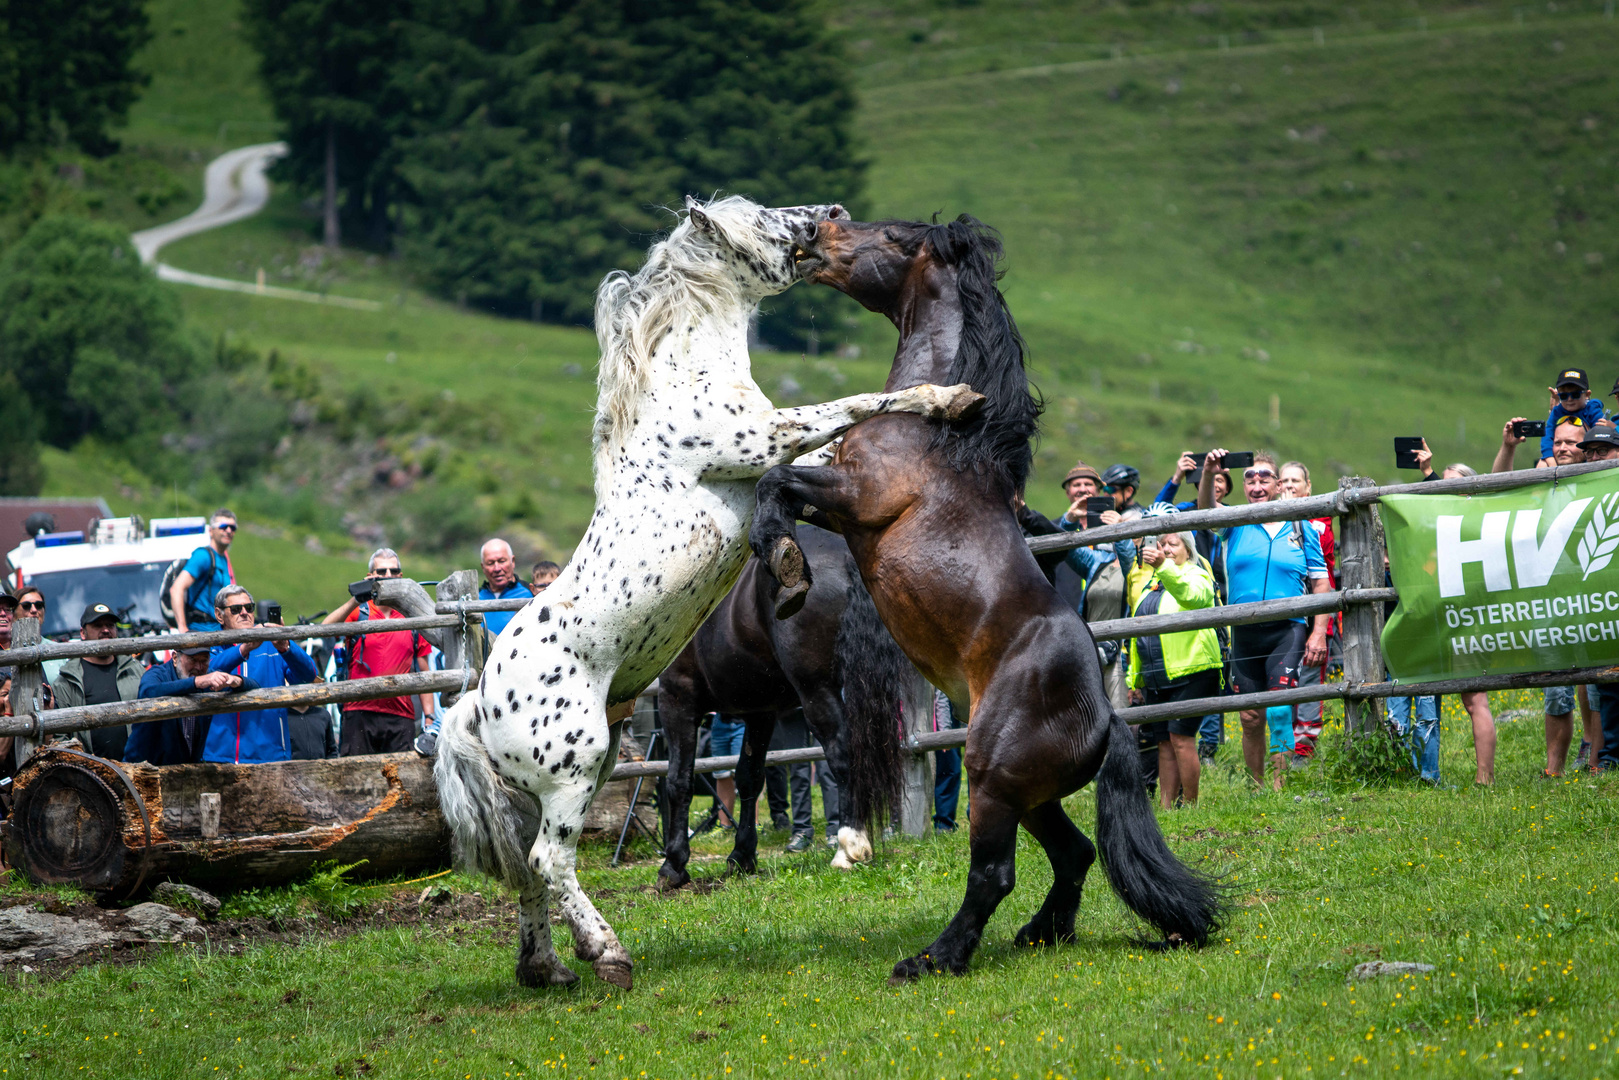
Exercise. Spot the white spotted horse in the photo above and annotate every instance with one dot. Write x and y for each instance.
(682, 434)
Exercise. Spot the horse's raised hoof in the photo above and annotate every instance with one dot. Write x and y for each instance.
(671, 880)
(964, 403)
(790, 599)
(618, 972)
(550, 973)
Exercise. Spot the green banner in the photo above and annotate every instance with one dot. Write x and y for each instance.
(1514, 581)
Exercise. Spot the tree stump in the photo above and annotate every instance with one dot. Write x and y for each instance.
(115, 828)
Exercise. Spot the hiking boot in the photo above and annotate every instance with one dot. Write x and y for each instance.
(800, 842)
(1582, 758)
(780, 823)
(427, 742)
(1206, 752)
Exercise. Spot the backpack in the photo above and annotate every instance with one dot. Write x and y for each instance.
(193, 612)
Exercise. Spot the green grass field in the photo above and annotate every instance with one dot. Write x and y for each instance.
(1508, 892)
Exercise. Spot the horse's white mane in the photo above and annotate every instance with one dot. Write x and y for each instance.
(680, 281)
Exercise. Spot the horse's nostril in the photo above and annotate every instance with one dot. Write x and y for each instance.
(814, 228)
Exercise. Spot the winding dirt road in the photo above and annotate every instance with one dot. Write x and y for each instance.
(234, 187)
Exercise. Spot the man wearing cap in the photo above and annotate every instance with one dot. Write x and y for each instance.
(8, 611)
(1601, 445)
(1571, 396)
(1102, 571)
(99, 680)
(179, 741)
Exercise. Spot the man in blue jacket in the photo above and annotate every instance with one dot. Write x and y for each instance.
(500, 583)
(257, 735)
(179, 741)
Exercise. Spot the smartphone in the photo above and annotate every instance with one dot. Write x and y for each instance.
(269, 613)
(1239, 459)
(1095, 507)
(363, 590)
(1405, 451)
(1524, 429)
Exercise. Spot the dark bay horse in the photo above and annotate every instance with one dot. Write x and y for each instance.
(927, 512)
(836, 660)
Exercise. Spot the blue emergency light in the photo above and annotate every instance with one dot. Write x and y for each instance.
(59, 539)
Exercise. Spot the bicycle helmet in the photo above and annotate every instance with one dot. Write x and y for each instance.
(1121, 476)
(1161, 509)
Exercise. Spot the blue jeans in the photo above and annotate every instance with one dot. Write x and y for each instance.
(1423, 732)
(1211, 733)
(946, 768)
(1608, 705)
(725, 740)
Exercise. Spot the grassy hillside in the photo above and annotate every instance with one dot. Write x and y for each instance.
(1397, 226)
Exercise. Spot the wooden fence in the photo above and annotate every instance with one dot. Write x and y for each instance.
(1360, 598)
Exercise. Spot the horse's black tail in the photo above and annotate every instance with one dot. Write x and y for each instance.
(875, 675)
(1185, 905)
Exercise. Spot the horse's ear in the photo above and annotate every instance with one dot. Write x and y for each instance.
(702, 221)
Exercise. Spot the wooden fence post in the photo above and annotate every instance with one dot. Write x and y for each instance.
(462, 585)
(27, 684)
(1360, 566)
(916, 797)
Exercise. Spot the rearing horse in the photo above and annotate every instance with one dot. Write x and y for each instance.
(682, 433)
(927, 513)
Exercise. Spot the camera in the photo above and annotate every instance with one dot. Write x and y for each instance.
(363, 590)
(1095, 507)
(1524, 429)
(269, 612)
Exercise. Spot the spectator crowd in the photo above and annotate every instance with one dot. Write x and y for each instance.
(1178, 570)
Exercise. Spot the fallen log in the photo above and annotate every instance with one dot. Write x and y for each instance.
(116, 828)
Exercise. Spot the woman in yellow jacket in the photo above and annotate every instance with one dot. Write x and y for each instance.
(1175, 667)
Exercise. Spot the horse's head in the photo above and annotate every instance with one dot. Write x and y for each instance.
(756, 243)
(868, 260)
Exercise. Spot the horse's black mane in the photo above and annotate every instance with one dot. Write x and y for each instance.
(991, 356)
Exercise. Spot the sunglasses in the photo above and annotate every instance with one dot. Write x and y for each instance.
(1111, 489)
(229, 526)
(1258, 474)
(239, 609)
(31, 605)
(1570, 395)
(388, 571)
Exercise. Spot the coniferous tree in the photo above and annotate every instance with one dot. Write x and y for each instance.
(66, 69)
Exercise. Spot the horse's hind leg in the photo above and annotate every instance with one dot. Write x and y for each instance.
(554, 856)
(680, 729)
(750, 781)
(1071, 855)
(991, 877)
(537, 961)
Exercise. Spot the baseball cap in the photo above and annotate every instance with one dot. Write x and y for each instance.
(1572, 375)
(1600, 438)
(96, 611)
(200, 650)
(8, 599)
(1082, 471)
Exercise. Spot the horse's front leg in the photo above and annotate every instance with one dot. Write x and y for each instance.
(781, 497)
(791, 433)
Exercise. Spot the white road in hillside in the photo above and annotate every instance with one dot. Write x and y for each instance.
(234, 187)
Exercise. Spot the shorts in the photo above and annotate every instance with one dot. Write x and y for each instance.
(1198, 684)
(1559, 700)
(1266, 656)
(725, 740)
(1279, 719)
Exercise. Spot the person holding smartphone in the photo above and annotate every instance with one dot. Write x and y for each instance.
(252, 736)
(381, 725)
(1268, 561)
(1103, 571)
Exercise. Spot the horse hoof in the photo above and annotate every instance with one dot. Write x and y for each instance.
(787, 562)
(964, 403)
(790, 599)
(535, 976)
(618, 972)
(1033, 936)
(671, 880)
(910, 969)
(735, 866)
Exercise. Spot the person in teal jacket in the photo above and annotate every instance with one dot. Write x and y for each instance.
(257, 735)
(1175, 667)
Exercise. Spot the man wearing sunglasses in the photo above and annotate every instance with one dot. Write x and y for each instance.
(256, 735)
(1571, 396)
(206, 572)
(383, 725)
(1269, 561)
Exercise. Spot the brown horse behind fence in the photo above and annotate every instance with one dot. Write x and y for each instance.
(926, 508)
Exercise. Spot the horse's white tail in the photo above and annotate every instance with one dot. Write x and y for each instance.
(484, 813)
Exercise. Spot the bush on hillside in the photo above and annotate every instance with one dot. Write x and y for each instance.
(95, 343)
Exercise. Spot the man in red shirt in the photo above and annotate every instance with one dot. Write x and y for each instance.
(383, 725)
